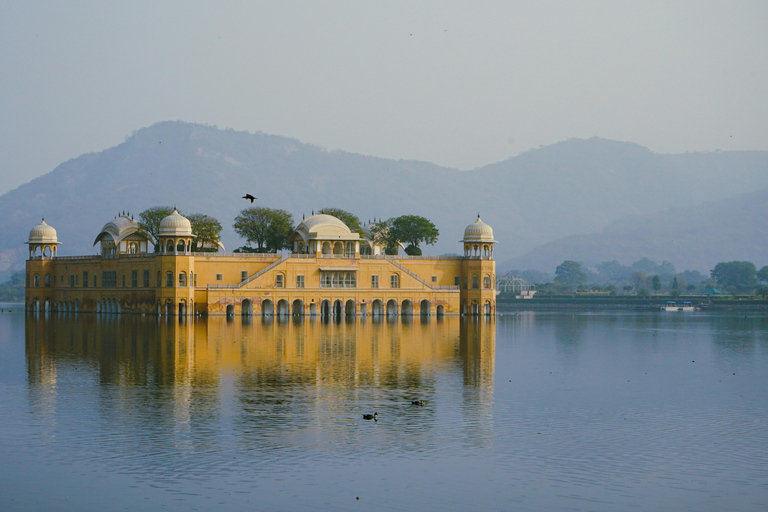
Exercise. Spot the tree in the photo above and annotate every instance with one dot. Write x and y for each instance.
(383, 234)
(738, 276)
(414, 229)
(149, 221)
(206, 229)
(351, 220)
(656, 283)
(570, 273)
(762, 274)
(268, 228)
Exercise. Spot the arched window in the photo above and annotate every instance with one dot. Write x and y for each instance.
(37, 280)
(169, 279)
(182, 279)
(487, 282)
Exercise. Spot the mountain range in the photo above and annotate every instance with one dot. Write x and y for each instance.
(589, 200)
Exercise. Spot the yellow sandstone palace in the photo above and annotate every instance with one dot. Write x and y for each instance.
(331, 271)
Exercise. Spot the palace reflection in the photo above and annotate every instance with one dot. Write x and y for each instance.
(267, 375)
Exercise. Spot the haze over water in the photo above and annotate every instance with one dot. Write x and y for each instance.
(534, 411)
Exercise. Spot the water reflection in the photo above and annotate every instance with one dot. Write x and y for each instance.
(270, 384)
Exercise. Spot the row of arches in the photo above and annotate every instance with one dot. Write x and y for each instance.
(336, 308)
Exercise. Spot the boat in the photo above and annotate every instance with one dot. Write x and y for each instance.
(677, 306)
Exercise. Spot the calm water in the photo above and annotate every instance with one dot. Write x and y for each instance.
(534, 411)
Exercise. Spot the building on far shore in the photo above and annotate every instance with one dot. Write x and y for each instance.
(331, 271)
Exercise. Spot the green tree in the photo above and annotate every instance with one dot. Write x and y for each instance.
(268, 228)
(762, 274)
(383, 234)
(736, 276)
(570, 273)
(206, 229)
(149, 221)
(351, 220)
(414, 229)
(656, 283)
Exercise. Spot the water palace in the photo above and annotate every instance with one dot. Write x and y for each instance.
(330, 270)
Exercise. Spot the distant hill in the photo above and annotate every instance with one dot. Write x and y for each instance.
(694, 238)
(576, 186)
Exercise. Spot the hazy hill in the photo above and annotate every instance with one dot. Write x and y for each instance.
(576, 186)
(695, 238)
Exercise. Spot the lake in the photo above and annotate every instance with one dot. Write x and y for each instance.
(530, 411)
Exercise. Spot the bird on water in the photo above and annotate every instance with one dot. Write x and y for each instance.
(371, 416)
(249, 196)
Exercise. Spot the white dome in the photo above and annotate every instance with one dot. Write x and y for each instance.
(175, 225)
(478, 231)
(42, 234)
(323, 227)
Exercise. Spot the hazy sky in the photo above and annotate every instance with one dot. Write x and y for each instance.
(461, 84)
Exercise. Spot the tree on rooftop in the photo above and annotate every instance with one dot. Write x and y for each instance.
(268, 228)
(149, 221)
(206, 229)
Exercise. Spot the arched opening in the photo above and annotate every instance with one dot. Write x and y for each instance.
(267, 308)
(180, 247)
(407, 308)
(298, 308)
(338, 250)
(313, 309)
(440, 310)
(246, 307)
(326, 249)
(391, 307)
(169, 308)
(230, 310)
(337, 309)
(377, 308)
(364, 309)
(182, 308)
(487, 308)
(283, 308)
(424, 308)
(349, 308)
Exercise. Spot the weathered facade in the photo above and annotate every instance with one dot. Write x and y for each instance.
(331, 271)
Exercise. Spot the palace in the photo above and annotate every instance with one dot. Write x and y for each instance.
(331, 271)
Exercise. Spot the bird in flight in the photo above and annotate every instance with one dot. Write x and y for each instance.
(249, 196)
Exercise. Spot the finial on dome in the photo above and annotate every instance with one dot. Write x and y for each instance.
(478, 215)
(302, 215)
(313, 212)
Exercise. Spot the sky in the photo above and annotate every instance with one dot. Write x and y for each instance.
(460, 84)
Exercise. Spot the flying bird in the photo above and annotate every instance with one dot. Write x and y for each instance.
(249, 196)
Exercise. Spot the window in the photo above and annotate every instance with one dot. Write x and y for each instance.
(338, 280)
(394, 281)
(300, 281)
(349, 250)
(71, 281)
(109, 279)
(195, 278)
(434, 279)
(374, 281)
(123, 280)
(47, 280)
(169, 279)
(94, 281)
(487, 282)
(158, 279)
(146, 279)
(279, 281)
(219, 277)
(243, 275)
(85, 279)
(134, 278)
(456, 281)
(37, 280)
(475, 282)
(182, 279)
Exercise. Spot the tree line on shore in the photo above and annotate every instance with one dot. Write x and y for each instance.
(646, 277)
